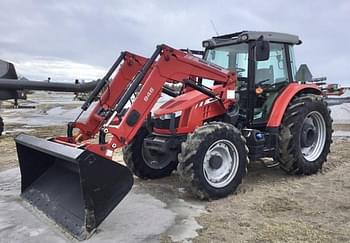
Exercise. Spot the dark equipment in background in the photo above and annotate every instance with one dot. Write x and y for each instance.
(13, 88)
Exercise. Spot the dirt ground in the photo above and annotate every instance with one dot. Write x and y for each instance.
(273, 207)
(269, 206)
(8, 148)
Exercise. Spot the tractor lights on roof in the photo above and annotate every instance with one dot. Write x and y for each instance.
(244, 37)
(219, 41)
(206, 44)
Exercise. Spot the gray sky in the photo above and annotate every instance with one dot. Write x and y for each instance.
(69, 39)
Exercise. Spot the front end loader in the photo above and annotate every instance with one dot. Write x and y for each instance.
(74, 180)
(73, 186)
(239, 102)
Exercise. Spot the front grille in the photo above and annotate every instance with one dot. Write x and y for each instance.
(165, 124)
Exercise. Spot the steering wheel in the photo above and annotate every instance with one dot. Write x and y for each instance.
(239, 70)
(262, 83)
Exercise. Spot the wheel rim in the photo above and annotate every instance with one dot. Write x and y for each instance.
(313, 136)
(220, 163)
(154, 159)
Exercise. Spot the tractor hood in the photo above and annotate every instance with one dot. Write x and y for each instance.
(180, 103)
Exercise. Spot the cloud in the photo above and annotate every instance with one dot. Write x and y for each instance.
(94, 32)
(39, 68)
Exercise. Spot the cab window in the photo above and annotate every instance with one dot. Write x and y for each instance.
(232, 57)
(273, 70)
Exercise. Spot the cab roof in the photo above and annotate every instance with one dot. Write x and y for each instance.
(246, 36)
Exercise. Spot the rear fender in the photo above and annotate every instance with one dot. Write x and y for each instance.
(282, 101)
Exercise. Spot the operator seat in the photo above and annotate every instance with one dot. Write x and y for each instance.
(264, 74)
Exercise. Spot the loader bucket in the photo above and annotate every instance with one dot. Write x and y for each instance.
(74, 187)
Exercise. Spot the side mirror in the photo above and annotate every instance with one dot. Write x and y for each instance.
(262, 50)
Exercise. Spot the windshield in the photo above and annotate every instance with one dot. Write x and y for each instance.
(232, 57)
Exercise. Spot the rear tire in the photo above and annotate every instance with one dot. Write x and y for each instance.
(213, 160)
(1, 125)
(134, 159)
(305, 136)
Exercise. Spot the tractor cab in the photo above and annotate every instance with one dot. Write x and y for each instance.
(264, 63)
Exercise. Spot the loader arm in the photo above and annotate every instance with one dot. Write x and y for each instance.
(165, 65)
(130, 64)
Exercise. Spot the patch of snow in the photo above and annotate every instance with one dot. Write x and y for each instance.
(140, 217)
(343, 134)
(341, 113)
(186, 225)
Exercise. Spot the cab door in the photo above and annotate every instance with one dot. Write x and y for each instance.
(267, 81)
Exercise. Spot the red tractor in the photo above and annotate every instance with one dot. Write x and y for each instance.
(239, 102)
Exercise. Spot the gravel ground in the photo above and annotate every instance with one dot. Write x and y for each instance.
(270, 206)
(273, 207)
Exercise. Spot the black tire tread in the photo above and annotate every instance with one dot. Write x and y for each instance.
(134, 161)
(288, 154)
(188, 151)
(1, 125)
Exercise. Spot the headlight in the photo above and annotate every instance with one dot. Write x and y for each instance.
(168, 116)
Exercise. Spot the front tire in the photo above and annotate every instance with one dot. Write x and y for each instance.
(137, 160)
(213, 160)
(305, 135)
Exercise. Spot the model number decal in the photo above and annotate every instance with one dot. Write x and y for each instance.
(149, 93)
